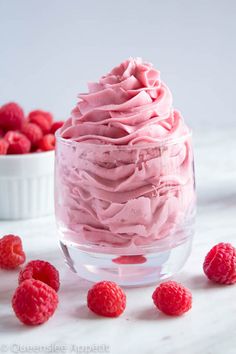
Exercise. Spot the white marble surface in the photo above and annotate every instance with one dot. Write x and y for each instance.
(209, 328)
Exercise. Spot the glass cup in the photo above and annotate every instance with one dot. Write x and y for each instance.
(125, 213)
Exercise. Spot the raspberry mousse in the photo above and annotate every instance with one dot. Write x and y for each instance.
(124, 165)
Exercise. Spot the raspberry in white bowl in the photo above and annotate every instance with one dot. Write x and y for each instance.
(27, 146)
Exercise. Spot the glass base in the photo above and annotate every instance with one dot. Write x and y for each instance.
(127, 270)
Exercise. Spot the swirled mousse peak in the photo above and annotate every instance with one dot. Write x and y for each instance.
(130, 105)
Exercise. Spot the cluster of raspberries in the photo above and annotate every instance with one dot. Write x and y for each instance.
(35, 299)
(22, 135)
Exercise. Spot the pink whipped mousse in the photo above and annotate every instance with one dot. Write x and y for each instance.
(124, 171)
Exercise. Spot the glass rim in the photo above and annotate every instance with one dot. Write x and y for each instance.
(157, 143)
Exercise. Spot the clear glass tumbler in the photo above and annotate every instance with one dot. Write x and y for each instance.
(125, 213)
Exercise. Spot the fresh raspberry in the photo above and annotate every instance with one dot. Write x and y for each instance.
(3, 147)
(46, 115)
(11, 252)
(106, 299)
(42, 119)
(1, 133)
(138, 259)
(41, 270)
(56, 126)
(18, 143)
(11, 116)
(172, 298)
(220, 264)
(33, 132)
(47, 142)
(42, 122)
(34, 302)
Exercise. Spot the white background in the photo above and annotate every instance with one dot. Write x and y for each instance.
(50, 49)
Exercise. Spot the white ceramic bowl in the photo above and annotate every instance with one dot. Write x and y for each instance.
(26, 185)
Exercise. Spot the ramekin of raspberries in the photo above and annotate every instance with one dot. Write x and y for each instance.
(27, 144)
(21, 134)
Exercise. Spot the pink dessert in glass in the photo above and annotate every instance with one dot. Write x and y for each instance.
(125, 196)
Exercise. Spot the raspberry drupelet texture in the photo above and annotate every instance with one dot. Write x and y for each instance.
(11, 116)
(18, 143)
(41, 270)
(106, 299)
(3, 146)
(220, 264)
(47, 143)
(34, 302)
(11, 252)
(42, 119)
(33, 132)
(172, 298)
